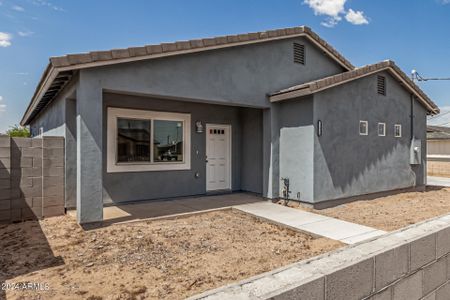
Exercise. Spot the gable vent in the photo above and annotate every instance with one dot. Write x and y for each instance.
(299, 53)
(381, 85)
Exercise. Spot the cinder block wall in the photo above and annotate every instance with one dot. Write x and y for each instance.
(438, 168)
(31, 178)
(409, 264)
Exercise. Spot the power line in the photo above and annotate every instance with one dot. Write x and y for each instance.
(444, 124)
(416, 76)
(438, 116)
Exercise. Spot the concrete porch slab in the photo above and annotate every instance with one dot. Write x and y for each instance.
(346, 232)
(167, 208)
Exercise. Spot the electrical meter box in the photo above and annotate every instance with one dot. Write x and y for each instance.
(416, 152)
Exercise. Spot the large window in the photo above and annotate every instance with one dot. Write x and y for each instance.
(140, 140)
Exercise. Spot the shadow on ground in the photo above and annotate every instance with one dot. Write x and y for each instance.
(435, 188)
(24, 248)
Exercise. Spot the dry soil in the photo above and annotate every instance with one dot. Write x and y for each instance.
(169, 259)
(394, 211)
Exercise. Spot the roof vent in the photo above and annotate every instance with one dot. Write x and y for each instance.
(299, 53)
(381, 85)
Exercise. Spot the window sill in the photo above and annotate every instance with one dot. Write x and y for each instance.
(147, 167)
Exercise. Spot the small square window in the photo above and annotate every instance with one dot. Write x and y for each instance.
(398, 130)
(363, 128)
(381, 129)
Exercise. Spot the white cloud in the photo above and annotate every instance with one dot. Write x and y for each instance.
(356, 17)
(25, 33)
(334, 10)
(18, 8)
(331, 22)
(5, 39)
(47, 4)
(444, 1)
(2, 106)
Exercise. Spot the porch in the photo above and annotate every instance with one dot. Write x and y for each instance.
(171, 208)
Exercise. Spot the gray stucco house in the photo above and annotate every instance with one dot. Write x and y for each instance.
(232, 113)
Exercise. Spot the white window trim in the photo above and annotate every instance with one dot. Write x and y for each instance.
(384, 129)
(367, 128)
(112, 164)
(395, 130)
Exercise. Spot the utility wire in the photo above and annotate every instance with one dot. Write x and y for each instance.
(444, 124)
(438, 116)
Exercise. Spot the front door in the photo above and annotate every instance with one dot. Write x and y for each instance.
(218, 157)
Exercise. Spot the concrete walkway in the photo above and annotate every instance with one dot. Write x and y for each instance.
(346, 232)
(438, 181)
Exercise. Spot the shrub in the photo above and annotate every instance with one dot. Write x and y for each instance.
(18, 131)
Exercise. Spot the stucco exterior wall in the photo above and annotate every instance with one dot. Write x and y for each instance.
(246, 152)
(251, 150)
(348, 164)
(236, 76)
(52, 120)
(297, 147)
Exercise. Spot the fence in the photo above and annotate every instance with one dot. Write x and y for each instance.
(31, 178)
(438, 165)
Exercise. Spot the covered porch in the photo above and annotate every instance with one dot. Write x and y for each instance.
(153, 149)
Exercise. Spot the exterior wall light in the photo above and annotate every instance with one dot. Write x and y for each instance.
(319, 128)
(198, 127)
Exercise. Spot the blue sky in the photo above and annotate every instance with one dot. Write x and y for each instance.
(414, 33)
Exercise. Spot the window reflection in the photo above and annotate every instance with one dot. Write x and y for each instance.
(167, 141)
(133, 140)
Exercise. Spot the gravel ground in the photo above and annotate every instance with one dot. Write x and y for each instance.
(170, 259)
(393, 212)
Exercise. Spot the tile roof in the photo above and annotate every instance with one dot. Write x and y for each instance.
(196, 44)
(331, 81)
(47, 90)
(438, 133)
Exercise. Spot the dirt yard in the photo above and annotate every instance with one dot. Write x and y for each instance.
(150, 259)
(395, 211)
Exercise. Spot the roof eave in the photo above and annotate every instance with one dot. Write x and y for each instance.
(302, 91)
(45, 81)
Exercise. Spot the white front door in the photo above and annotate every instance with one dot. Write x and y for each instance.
(218, 157)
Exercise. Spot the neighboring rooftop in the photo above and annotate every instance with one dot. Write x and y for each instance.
(331, 81)
(438, 133)
(60, 69)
